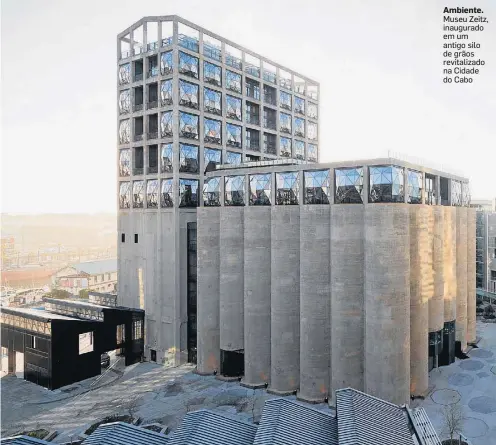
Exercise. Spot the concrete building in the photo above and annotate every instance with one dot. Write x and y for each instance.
(486, 251)
(188, 100)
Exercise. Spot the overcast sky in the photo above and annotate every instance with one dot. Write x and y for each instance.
(378, 64)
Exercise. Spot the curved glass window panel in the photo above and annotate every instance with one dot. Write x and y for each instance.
(166, 93)
(188, 125)
(466, 195)
(312, 131)
(211, 157)
(166, 124)
(166, 158)
(285, 147)
(233, 158)
(299, 105)
(285, 79)
(349, 185)
(285, 100)
(166, 65)
(211, 48)
(312, 110)
(188, 192)
(212, 101)
(124, 74)
(234, 191)
(212, 74)
(456, 193)
(125, 162)
(386, 184)
(152, 194)
(212, 131)
(125, 131)
(313, 92)
(211, 192)
(269, 73)
(287, 188)
(124, 102)
(188, 37)
(260, 187)
(166, 194)
(138, 194)
(233, 81)
(233, 135)
(312, 153)
(299, 85)
(188, 65)
(233, 107)
(125, 195)
(188, 94)
(299, 149)
(285, 123)
(299, 127)
(252, 65)
(414, 184)
(317, 187)
(188, 158)
(233, 57)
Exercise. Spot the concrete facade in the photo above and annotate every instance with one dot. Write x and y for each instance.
(471, 271)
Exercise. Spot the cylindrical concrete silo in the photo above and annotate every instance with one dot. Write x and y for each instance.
(347, 301)
(257, 267)
(208, 282)
(315, 302)
(285, 299)
(449, 264)
(471, 331)
(461, 277)
(421, 289)
(387, 301)
(231, 291)
(436, 303)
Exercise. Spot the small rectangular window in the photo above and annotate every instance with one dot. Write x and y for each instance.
(135, 237)
(85, 342)
(123, 237)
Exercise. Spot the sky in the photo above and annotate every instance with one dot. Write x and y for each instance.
(378, 64)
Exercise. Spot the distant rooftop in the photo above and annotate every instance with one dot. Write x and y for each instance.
(35, 313)
(96, 267)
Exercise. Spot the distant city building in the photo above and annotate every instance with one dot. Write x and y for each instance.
(8, 251)
(484, 204)
(486, 251)
(27, 277)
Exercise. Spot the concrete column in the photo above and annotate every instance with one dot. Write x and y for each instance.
(208, 267)
(421, 288)
(471, 331)
(436, 303)
(347, 303)
(315, 302)
(11, 364)
(449, 263)
(387, 302)
(257, 228)
(231, 278)
(461, 276)
(285, 299)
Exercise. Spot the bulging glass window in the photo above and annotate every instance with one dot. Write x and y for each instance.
(212, 74)
(299, 127)
(124, 102)
(312, 152)
(125, 162)
(317, 187)
(456, 193)
(312, 131)
(299, 105)
(124, 131)
(138, 194)
(188, 94)
(234, 188)
(349, 185)
(166, 124)
(211, 192)
(188, 158)
(285, 100)
(166, 158)
(414, 181)
(212, 157)
(212, 101)
(188, 65)
(260, 188)
(152, 194)
(233, 81)
(124, 74)
(285, 147)
(312, 110)
(166, 93)
(285, 123)
(233, 135)
(188, 125)
(287, 188)
(299, 149)
(125, 195)
(212, 131)
(233, 107)
(233, 158)
(166, 195)
(166, 66)
(386, 184)
(188, 192)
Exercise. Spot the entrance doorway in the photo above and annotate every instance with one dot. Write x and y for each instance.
(19, 365)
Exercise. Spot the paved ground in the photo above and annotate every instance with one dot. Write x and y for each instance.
(472, 383)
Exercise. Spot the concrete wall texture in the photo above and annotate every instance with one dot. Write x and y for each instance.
(471, 218)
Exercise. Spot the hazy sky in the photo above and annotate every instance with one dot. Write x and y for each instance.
(378, 64)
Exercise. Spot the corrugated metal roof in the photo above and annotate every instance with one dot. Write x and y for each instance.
(208, 427)
(289, 422)
(97, 267)
(23, 440)
(364, 420)
(120, 433)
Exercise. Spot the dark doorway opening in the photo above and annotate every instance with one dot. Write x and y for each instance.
(153, 355)
(192, 293)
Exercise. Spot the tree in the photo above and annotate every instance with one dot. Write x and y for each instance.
(83, 293)
(58, 293)
(453, 419)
